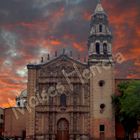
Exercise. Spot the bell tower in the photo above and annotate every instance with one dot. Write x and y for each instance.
(102, 118)
(100, 38)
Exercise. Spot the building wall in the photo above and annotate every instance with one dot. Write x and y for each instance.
(42, 123)
(1, 120)
(15, 122)
(102, 95)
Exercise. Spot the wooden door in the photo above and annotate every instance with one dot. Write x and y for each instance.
(62, 130)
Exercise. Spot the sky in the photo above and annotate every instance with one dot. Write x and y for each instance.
(30, 29)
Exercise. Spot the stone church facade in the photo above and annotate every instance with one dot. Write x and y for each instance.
(73, 99)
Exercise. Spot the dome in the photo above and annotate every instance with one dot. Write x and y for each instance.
(23, 94)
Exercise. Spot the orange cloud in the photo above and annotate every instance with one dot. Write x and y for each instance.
(87, 16)
(40, 34)
(79, 47)
(55, 42)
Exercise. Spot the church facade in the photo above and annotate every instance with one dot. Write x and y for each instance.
(71, 100)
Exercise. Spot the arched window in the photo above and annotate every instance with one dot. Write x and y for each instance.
(97, 48)
(63, 100)
(100, 28)
(18, 103)
(105, 48)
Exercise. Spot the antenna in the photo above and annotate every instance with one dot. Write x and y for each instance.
(79, 57)
(85, 59)
(70, 53)
(55, 53)
(63, 51)
(48, 58)
(42, 60)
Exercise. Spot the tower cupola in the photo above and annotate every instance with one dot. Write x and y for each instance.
(99, 8)
(100, 37)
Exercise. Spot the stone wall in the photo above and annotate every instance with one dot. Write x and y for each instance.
(101, 94)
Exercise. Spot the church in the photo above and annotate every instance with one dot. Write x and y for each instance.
(77, 104)
(67, 99)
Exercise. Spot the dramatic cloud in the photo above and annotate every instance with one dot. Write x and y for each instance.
(30, 29)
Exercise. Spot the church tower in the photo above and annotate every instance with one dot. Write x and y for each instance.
(99, 41)
(102, 118)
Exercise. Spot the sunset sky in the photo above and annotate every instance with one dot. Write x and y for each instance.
(30, 29)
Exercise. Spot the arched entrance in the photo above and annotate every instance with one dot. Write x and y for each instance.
(62, 130)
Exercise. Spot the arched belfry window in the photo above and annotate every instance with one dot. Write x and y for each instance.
(63, 99)
(105, 48)
(100, 28)
(98, 48)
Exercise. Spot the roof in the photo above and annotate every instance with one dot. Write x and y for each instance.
(11, 108)
(1, 108)
(126, 79)
(62, 56)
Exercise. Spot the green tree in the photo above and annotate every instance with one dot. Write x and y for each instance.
(127, 105)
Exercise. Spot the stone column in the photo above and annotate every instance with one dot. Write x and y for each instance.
(78, 137)
(71, 137)
(31, 89)
(53, 137)
(71, 123)
(47, 137)
(101, 48)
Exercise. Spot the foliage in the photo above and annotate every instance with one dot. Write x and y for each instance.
(127, 105)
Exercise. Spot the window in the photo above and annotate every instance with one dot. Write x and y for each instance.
(105, 48)
(100, 28)
(102, 128)
(101, 83)
(102, 132)
(102, 106)
(97, 48)
(63, 100)
(1, 116)
(1, 125)
(18, 103)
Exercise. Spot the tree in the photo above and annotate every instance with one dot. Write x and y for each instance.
(127, 105)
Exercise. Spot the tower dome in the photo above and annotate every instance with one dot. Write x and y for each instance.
(21, 100)
(23, 94)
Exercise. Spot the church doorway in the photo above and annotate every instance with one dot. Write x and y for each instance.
(62, 130)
